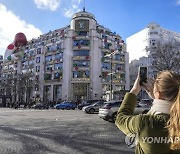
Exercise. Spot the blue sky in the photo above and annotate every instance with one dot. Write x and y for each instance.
(126, 17)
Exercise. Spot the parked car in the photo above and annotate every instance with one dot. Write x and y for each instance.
(86, 103)
(141, 109)
(93, 107)
(143, 106)
(146, 102)
(40, 106)
(110, 109)
(65, 105)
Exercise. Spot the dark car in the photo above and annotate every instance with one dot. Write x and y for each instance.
(86, 103)
(40, 106)
(65, 105)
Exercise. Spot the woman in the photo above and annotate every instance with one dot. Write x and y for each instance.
(158, 131)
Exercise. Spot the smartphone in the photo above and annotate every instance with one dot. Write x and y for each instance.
(143, 74)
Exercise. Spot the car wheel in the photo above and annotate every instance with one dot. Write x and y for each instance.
(145, 111)
(91, 111)
(57, 108)
(80, 108)
(73, 108)
(68, 108)
(106, 119)
(114, 117)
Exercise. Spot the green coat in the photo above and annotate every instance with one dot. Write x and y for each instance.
(149, 129)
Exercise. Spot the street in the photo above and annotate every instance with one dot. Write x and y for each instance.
(27, 131)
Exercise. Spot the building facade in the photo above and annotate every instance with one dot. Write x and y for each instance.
(81, 61)
(150, 36)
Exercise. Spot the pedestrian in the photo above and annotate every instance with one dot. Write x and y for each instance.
(158, 131)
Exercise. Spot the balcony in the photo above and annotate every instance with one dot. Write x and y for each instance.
(80, 47)
(108, 51)
(81, 44)
(81, 79)
(81, 57)
(81, 37)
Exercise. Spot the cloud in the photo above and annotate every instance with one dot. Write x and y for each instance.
(10, 25)
(47, 4)
(71, 7)
(68, 7)
(178, 2)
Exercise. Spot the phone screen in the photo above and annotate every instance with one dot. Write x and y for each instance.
(143, 74)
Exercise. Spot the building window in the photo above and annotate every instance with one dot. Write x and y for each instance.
(116, 57)
(31, 53)
(81, 52)
(119, 87)
(106, 77)
(106, 87)
(47, 76)
(31, 62)
(37, 77)
(59, 57)
(107, 45)
(58, 46)
(39, 51)
(119, 47)
(37, 59)
(106, 66)
(36, 87)
(48, 67)
(49, 48)
(58, 66)
(104, 36)
(48, 58)
(119, 67)
(152, 42)
(37, 68)
(81, 63)
(81, 74)
(83, 33)
(81, 42)
(58, 75)
(47, 93)
(57, 91)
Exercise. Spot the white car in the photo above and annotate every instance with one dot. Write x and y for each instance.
(110, 109)
(93, 108)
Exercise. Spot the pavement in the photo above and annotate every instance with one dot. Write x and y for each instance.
(26, 131)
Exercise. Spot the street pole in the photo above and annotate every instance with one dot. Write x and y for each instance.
(111, 86)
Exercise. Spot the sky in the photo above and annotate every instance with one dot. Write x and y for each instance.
(125, 17)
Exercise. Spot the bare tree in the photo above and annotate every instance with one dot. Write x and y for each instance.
(165, 56)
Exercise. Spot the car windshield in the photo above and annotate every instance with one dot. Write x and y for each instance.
(112, 104)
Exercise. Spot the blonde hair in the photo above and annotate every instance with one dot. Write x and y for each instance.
(168, 84)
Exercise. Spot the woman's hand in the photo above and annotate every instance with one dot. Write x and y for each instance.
(136, 87)
(149, 87)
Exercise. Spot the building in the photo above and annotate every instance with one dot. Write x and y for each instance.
(137, 44)
(83, 60)
(152, 34)
(1, 61)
